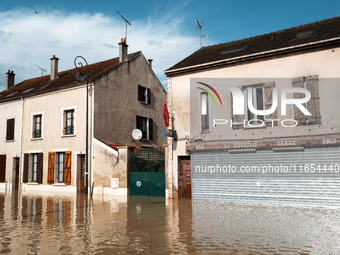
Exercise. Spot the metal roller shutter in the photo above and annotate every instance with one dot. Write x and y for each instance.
(320, 187)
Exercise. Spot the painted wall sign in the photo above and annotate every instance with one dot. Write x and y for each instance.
(306, 142)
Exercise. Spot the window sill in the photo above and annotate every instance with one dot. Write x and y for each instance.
(250, 128)
(65, 136)
(36, 139)
(144, 102)
(10, 141)
(32, 183)
(60, 184)
(205, 132)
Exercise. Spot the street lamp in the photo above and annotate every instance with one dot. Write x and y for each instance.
(79, 78)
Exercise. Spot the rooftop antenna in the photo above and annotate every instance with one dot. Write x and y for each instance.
(199, 24)
(42, 70)
(126, 23)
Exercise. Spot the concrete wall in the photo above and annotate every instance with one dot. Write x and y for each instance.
(116, 103)
(11, 149)
(323, 63)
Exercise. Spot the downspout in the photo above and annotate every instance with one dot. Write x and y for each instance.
(91, 140)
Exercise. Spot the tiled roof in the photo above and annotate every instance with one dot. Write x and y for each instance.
(65, 79)
(305, 34)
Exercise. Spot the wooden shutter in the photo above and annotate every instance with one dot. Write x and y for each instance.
(2, 168)
(236, 118)
(50, 178)
(25, 174)
(10, 129)
(40, 168)
(268, 101)
(298, 114)
(139, 93)
(150, 129)
(67, 173)
(149, 96)
(313, 105)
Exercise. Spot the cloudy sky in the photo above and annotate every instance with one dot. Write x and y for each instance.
(32, 31)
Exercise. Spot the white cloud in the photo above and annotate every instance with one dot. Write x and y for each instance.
(28, 39)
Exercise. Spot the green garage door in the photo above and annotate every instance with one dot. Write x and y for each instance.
(147, 172)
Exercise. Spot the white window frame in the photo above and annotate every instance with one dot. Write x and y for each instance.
(42, 125)
(63, 120)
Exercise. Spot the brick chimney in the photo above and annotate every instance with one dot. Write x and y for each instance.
(9, 80)
(54, 68)
(123, 52)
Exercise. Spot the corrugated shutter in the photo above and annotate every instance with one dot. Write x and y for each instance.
(287, 188)
(50, 177)
(40, 168)
(67, 176)
(2, 168)
(25, 174)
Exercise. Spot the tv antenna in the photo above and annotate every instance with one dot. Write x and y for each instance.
(126, 23)
(42, 70)
(199, 24)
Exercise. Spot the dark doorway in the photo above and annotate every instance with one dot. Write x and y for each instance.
(186, 178)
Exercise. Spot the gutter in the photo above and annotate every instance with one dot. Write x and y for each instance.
(252, 56)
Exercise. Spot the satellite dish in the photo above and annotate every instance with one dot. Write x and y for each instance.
(137, 134)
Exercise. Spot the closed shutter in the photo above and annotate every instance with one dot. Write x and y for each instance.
(40, 168)
(150, 129)
(309, 187)
(139, 93)
(237, 119)
(313, 105)
(2, 168)
(25, 175)
(50, 178)
(149, 96)
(298, 114)
(10, 130)
(67, 174)
(268, 101)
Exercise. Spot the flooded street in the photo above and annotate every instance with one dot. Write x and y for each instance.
(33, 224)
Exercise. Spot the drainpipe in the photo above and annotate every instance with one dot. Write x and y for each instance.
(21, 142)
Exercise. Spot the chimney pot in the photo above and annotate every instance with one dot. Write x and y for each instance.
(54, 68)
(9, 80)
(150, 62)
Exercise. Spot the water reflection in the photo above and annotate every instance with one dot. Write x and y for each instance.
(32, 224)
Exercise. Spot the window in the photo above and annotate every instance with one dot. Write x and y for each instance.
(144, 94)
(258, 103)
(61, 162)
(10, 130)
(146, 126)
(310, 83)
(59, 167)
(205, 112)
(37, 126)
(262, 99)
(33, 167)
(69, 122)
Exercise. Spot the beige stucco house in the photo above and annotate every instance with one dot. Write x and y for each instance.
(276, 157)
(50, 125)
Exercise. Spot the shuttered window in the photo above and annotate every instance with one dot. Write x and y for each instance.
(310, 83)
(67, 168)
(144, 94)
(26, 162)
(146, 126)
(10, 130)
(40, 168)
(2, 168)
(61, 166)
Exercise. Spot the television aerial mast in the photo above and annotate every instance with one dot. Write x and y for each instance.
(126, 23)
(42, 70)
(199, 24)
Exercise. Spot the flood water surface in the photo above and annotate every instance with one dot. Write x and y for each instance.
(33, 224)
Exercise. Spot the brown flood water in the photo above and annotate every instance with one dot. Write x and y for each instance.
(33, 224)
